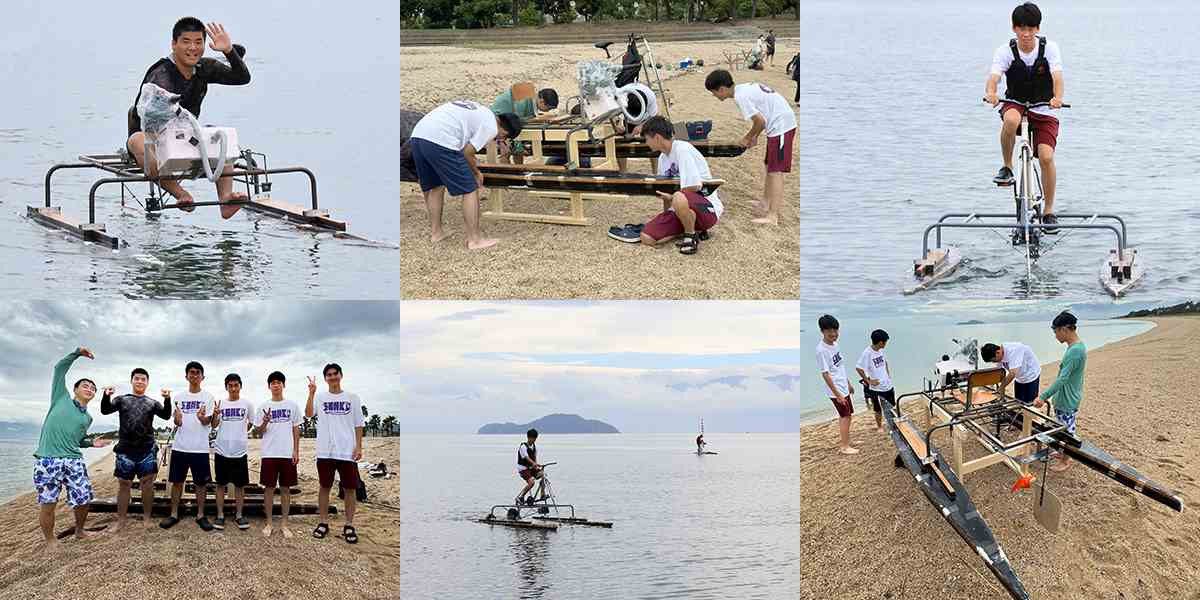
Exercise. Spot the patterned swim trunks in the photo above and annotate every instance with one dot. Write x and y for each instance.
(1066, 418)
(50, 475)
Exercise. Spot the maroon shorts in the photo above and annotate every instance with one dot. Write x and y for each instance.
(527, 473)
(667, 224)
(277, 472)
(779, 152)
(347, 472)
(1044, 127)
(844, 410)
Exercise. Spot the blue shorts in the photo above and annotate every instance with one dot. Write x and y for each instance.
(1066, 418)
(131, 467)
(1027, 393)
(51, 475)
(438, 166)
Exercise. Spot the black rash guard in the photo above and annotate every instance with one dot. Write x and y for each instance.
(136, 436)
(166, 75)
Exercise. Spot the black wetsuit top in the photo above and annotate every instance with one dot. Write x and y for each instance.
(166, 75)
(136, 435)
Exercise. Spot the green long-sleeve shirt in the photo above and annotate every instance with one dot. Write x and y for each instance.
(1067, 389)
(66, 423)
(504, 103)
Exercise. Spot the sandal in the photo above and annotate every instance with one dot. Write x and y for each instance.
(349, 534)
(702, 236)
(168, 522)
(689, 244)
(321, 531)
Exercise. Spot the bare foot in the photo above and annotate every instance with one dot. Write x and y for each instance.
(86, 535)
(147, 523)
(439, 236)
(267, 531)
(50, 546)
(765, 220)
(879, 429)
(118, 526)
(482, 243)
(287, 533)
(228, 210)
(848, 450)
(183, 200)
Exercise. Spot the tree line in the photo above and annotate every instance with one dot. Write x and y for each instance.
(475, 14)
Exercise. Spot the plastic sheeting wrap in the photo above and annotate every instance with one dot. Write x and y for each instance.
(597, 86)
(181, 145)
(159, 109)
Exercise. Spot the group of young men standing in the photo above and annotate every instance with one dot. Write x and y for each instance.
(194, 414)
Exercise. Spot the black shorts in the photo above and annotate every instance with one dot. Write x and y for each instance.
(182, 462)
(231, 470)
(1027, 393)
(873, 398)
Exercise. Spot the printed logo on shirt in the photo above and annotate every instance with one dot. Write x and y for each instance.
(837, 359)
(233, 414)
(336, 407)
(673, 170)
(467, 104)
(190, 406)
(766, 89)
(877, 361)
(280, 415)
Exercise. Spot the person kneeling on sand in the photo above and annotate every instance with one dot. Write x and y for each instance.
(136, 451)
(444, 144)
(833, 372)
(1067, 389)
(521, 100)
(687, 214)
(231, 419)
(339, 445)
(770, 112)
(279, 426)
(58, 462)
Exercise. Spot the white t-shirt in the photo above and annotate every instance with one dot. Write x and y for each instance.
(277, 439)
(192, 435)
(231, 432)
(874, 364)
(1003, 58)
(758, 99)
(455, 124)
(1020, 356)
(522, 452)
(685, 162)
(829, 360)
(337, 416)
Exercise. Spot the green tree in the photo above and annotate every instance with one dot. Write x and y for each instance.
(389, 424)
(373, 424)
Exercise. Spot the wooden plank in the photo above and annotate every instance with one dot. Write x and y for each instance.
(53, 217)
(162, 508)
(917, 442)
(317, 218)
(190, 487)
(519, 524)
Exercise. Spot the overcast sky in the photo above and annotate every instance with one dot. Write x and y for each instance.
(249, 338)
(640, 366)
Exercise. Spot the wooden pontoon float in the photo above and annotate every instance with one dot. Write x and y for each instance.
(247, 172)
(543, 513)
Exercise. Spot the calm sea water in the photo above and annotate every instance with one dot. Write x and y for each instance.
(894, 135)
(323, 94)
(686, 526)
(16, 453)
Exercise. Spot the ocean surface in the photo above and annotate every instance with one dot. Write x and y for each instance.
(685, 526)
(894, 135)
(323, 94)
(17, 454)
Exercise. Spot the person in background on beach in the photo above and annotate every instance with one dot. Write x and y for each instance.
(700, 444)
(279, 426)
(444, 144)
(768, 111)
(876, 375)
(186, 72)
(136, 452)
(58, 462)
(1032, 69)
(793, 68)
(1067, 389)
(771, 46)
(1022, 366)
(232, 418)
(193, 416)
(528, 467)
(339, 445)
(521, 100)
(833, 371)
(687, 214)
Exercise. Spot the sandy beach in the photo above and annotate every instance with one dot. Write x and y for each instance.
(534, 260)
(184, 560)
(868, 532)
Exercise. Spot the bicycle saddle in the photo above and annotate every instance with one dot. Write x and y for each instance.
(604, 46)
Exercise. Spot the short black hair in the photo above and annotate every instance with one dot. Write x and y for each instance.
(511, 123)
(138, 371)
(276, 376)
(1027, 15)
(233, 377)
(187, 24)
(334, 366)
(828, 322)
(76, 386)
(879, 336)
(658, 125)
(532, 433)
(193, 365)
(988, 352)
(1064, 319)
(550, 97)
(718, 78)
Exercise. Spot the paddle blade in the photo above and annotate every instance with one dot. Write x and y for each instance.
(1046, 508)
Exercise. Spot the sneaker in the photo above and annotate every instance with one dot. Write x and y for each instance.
(1050, 219)
(627, 234)
(1004, 177)
(243, 523)
(219, 523)
(204, 524)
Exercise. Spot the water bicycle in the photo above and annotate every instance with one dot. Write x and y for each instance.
(1119, 270)
(541, 510)
(964, 398)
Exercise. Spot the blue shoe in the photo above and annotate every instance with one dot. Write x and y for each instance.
(630, 234)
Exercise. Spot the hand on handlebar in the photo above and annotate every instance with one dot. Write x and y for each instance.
(992, 99)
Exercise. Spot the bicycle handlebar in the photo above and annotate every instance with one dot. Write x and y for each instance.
(544, 465)
(1026, 104)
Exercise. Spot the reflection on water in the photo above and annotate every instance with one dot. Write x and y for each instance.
(530, 554)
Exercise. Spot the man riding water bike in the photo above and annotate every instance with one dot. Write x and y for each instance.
(1032, 69)
(700, 444)
(529, 468)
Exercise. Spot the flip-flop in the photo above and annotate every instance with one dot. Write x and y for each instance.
(168, 522)
(321, 531)
(349, 534)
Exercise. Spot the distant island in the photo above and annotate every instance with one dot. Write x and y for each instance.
(1185, 308)
(556, 423)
